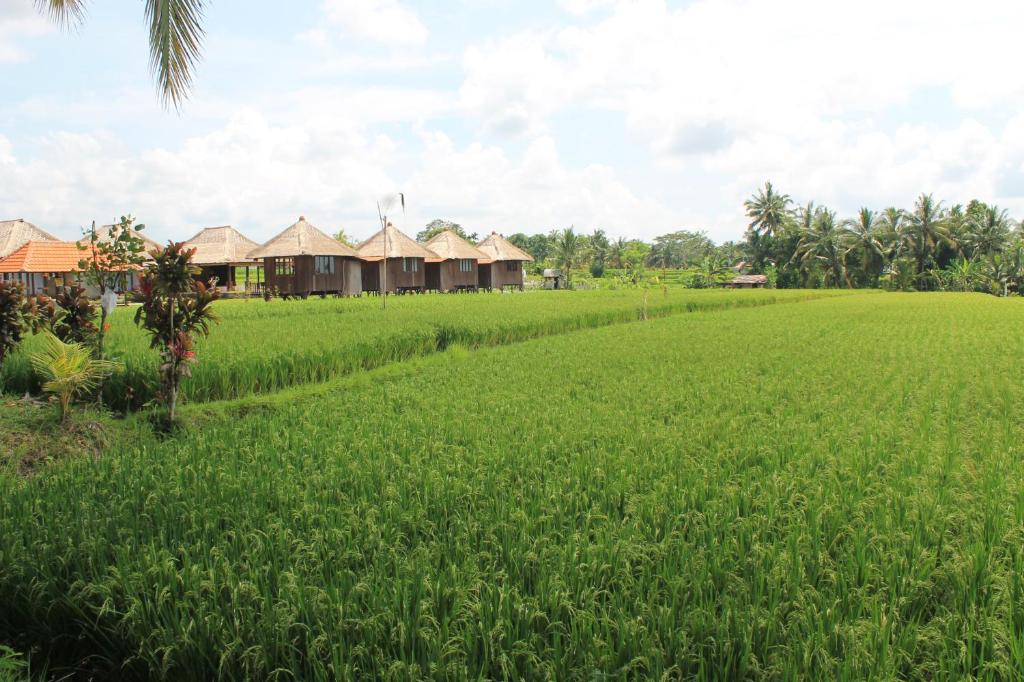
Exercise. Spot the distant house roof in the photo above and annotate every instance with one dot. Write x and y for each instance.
(43, 256)
(301, 239)
(552, 272)
(750, 279)
(450, 246)
(221, 246)
(15, 233)
(398, 246)
(496, 248)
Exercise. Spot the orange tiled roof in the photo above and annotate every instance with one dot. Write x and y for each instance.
(43, 257)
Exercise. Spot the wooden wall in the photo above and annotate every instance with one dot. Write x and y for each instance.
(396, 279)
(347, 277)
(453, 279)
(501, 277)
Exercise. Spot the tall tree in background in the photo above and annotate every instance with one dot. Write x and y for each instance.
(437, 226)
(342, 236)
(922, 232)
(823, 245)
(864, 238)
(567, 250)
(175, 40)
(987, 230)
(768, 211)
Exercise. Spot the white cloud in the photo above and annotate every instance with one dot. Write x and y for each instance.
(384, 21)
(18, 20)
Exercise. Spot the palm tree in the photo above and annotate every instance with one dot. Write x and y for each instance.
(769, 212)
(987, 231)
(863, 235)
(175, 40)
(567, 250)
(67, 370)
(712, 267)
(823, 244)
(923, 230)
(1006, 267)
(615, 251)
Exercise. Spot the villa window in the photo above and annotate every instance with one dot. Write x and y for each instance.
(511, 265)
(410, 265)
(324, 265)
(284, 267)
(465, 265)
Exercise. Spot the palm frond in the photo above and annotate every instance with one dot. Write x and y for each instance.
(175, 45)
(63, 12)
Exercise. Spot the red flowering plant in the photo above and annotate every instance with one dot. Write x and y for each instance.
(176, 309)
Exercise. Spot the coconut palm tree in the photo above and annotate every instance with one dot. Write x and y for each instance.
(616, 249)
(923, 231)
(567, 250)
(863, 235)
(769, 212)
(175, 40)
(823, 244)
(987, 230)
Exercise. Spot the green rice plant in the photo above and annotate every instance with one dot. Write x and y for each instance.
(828, 490)
(262, 347)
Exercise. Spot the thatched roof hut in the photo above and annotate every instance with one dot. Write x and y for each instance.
(302, 260)
(219, 250)
(457, 262)
(503, 266)
(301, 239)
(749, 282)
(18, 232)
(497, 248)
(393, 262)
(449, 246)
(221, 246)
(398, 246)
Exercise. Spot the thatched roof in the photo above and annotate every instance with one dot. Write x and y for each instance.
(301, 239)
(398, 244)
(496, 248)
(450, 246)
(16, 233)
(750, 279)
(103, 234)
(221, 246)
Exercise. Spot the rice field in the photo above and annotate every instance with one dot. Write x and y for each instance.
(261, 347)
(825, 490)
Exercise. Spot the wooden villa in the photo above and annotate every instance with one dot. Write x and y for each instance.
(219, 251)
(302, 260)
(393, 258)
(42, 266)
(16, 233)
(503, 266)
(456, 265)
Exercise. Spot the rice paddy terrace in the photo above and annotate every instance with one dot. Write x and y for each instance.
(728, 489)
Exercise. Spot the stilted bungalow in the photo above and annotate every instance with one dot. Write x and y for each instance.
(302, 260)
(456, 266)
(402, 265)
(16, 233)
(42, 266)
(219, 251)
(503, 266)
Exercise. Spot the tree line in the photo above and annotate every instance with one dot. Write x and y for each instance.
(929, 246)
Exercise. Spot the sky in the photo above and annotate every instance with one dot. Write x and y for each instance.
(637, 117)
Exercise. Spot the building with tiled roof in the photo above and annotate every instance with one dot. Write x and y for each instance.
(42, 265)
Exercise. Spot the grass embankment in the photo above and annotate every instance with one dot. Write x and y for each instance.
(263, 347)
(831, 490)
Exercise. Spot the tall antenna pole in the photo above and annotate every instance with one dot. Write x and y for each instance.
(382, 208)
